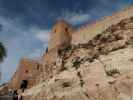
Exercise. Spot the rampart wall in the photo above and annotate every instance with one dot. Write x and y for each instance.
(86, 33)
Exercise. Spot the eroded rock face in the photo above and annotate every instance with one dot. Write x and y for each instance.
(3, 89)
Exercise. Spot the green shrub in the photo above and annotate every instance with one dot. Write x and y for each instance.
(76, 63)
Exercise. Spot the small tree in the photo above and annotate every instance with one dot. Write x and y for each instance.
(2, 52)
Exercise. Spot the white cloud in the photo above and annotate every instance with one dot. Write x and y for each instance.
(76, 18)
(43, 35)
(36, 54)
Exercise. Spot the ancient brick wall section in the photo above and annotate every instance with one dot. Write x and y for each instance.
(84, 34)
(27, 70)
(51, 56)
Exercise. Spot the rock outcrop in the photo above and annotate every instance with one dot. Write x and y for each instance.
(4, 89)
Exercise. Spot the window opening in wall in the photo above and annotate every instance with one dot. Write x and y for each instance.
(26, 71)
(66, 29)
(37, 66)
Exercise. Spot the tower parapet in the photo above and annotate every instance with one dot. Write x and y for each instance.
(60, 35)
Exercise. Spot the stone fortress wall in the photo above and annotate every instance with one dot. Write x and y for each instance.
(60, 37)
(84, 34)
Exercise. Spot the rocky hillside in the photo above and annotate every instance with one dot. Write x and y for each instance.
(101, 69)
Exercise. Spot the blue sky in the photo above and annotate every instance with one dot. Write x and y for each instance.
(26, 24)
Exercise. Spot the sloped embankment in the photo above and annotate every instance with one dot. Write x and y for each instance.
(98, 70)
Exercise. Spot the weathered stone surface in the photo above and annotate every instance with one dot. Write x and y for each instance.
(28, 70)
(61, 34)
(120, 59)
(3, 89)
